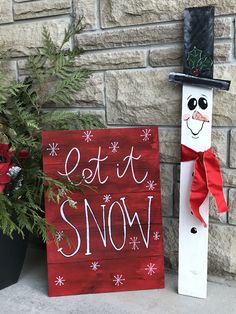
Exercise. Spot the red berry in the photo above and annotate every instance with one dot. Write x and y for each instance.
(196, 71)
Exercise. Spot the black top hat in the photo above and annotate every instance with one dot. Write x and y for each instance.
(198, 49)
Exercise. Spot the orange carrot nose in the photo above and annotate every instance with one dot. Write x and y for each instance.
(198, 116)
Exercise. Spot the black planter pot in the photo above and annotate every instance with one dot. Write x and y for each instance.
(12, 255)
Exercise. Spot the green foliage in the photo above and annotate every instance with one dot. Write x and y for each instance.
(65, 120)
(194, 57)
(52, 79)
(206, 63)
(196, 60)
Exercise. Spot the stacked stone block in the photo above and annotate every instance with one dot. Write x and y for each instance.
(132, 46)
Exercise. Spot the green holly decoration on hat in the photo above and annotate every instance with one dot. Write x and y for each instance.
(197, 62)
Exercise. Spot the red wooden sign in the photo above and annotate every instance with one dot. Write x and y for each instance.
(115, 231)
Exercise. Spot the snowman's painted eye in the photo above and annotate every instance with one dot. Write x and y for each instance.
(192, 103)
(202, 102)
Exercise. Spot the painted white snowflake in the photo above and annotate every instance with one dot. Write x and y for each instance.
(59, 281)
(114, 146)
(156, 235)
(87, 136)
(146, 134)
(94, 266)
(151, 185)
(59, 235)
(53, 148)
(107, 198)
(151, 269)
(134, 242)
(118, 280)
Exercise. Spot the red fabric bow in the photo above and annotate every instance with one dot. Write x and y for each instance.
(5, 163)
(5, 159)
(206, 178)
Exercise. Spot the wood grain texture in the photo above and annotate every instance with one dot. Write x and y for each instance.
(193, 247)
(115, 231)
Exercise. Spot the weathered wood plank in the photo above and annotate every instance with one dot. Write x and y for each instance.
(119, 224)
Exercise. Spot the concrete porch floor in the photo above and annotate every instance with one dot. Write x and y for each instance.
(29, 296)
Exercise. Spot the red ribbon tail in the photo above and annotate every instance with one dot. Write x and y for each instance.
(199, 191)
(196, 213)
(214, 180)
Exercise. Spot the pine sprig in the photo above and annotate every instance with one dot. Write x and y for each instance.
(65, 90)
(65, 120)
(74, 28)
(49, 49)
(51, 78)
(54, 75)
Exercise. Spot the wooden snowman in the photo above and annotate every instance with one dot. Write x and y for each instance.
(199, 172)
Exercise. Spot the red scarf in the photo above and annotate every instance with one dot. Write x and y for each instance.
(206, 178)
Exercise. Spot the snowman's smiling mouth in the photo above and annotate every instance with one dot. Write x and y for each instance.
(193, 133)
(198, 120)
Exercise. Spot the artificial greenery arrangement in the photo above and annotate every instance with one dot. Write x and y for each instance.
(52, 79)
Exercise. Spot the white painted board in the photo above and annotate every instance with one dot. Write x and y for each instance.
(193, 236)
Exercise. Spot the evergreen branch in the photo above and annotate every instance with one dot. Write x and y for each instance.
(49, 49)
(24, 141)
(52, 77)
(7, 225)
(64, 120)
(64, 92)
(73, 28)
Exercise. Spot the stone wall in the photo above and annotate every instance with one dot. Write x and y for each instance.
(132, 46)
